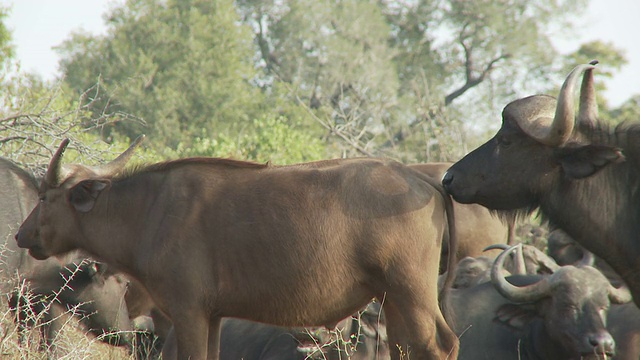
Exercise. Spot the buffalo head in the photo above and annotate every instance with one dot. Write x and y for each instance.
(572, 303)
(541, 142)
(66, 193)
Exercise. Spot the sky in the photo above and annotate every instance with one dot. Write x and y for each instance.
(39, 25)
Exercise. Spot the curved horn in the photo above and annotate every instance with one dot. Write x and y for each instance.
(517, 294)
(51, 177)
(496, 247)
(564, 119)
(117, 164)
(620, 295)
(519, 267)
(588, 111)
(561, 127)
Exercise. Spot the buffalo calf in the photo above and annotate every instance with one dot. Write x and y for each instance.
(299, 245)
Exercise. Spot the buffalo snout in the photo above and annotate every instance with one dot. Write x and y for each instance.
(24, 241)
(448, 184)
(601, 342)
(28, 238)
(462, 194)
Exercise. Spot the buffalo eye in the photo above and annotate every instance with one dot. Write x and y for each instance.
(602, 312)
(571, 311)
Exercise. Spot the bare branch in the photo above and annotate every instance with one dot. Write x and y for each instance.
(29, 136)
(472, 80)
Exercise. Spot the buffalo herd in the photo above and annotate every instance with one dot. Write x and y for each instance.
(211, 258)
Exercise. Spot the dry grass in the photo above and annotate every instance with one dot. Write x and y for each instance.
(71, 342)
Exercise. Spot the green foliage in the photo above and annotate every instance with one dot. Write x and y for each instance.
(7, 51)
(416, 81)
(182, 66)
(628, 111)
(36, 116)
(611, 58)
(334, 59)
(271, 139)
(377, 74)
(274, 140)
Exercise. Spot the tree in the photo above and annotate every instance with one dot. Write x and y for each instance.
(472, 57)
(333, 58)
(7, 51)
(378, 73)
(272, 139)
(36, 115)
(628, 111)
(181, 66)
(377, 77)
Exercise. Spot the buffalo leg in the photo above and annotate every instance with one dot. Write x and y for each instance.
(52, 323)
(396, 332)
(192, 332)
(415, 332)
(414, 304)
(170, 345)
(213, 349)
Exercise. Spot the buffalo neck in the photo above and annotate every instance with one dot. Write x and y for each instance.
(601, 213)
(116, 228)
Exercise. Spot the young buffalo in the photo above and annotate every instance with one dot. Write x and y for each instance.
(300, 245)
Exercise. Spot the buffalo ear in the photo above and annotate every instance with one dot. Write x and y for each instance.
(84, 194)
(581, 162)
(515, 316)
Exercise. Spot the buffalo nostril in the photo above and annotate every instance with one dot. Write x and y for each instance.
(602, 342)
(447, 179)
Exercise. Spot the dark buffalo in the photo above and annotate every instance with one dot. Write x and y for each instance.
(623, 323)
(557, 316)
(476, 226)
(584, 175)
(300, 245)
(527, 259)
(18, 196)
(44, 289)
(81, 288)
(248, 340)
(566, 251)
(358, 337)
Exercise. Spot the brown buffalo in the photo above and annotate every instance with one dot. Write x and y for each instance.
(476, 226)
(583, 174)
(300, 245)
(362, 336)
(40, 291)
